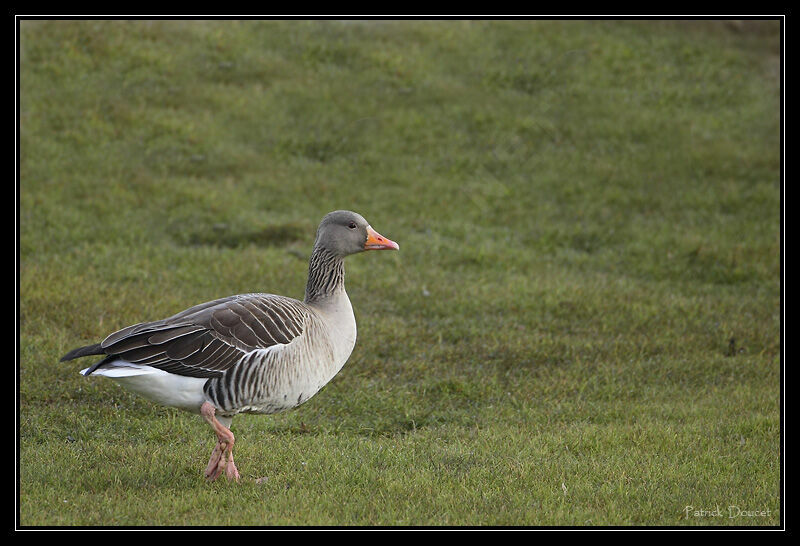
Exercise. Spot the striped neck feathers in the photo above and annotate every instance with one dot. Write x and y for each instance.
(325, 275)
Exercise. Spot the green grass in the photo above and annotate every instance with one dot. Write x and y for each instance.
(582, 326)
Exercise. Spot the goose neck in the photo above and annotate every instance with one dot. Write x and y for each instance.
(325, 275)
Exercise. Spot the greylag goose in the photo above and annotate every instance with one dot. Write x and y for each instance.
(249, 353)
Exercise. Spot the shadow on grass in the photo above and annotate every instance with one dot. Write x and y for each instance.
(227, 236)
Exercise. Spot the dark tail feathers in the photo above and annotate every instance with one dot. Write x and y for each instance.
(95, 349)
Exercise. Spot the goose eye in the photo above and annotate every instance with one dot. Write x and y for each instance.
(352, 225)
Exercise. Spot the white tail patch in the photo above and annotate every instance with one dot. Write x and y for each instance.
(162, 387)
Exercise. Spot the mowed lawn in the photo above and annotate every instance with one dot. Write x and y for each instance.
(582, 325)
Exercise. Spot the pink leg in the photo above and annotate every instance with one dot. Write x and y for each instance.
(222, 455)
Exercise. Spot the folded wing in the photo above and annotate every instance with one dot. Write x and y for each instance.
(210, 338)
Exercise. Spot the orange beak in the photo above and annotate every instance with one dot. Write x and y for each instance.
(376, 241)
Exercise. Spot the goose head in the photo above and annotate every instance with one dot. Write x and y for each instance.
(344, 232)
